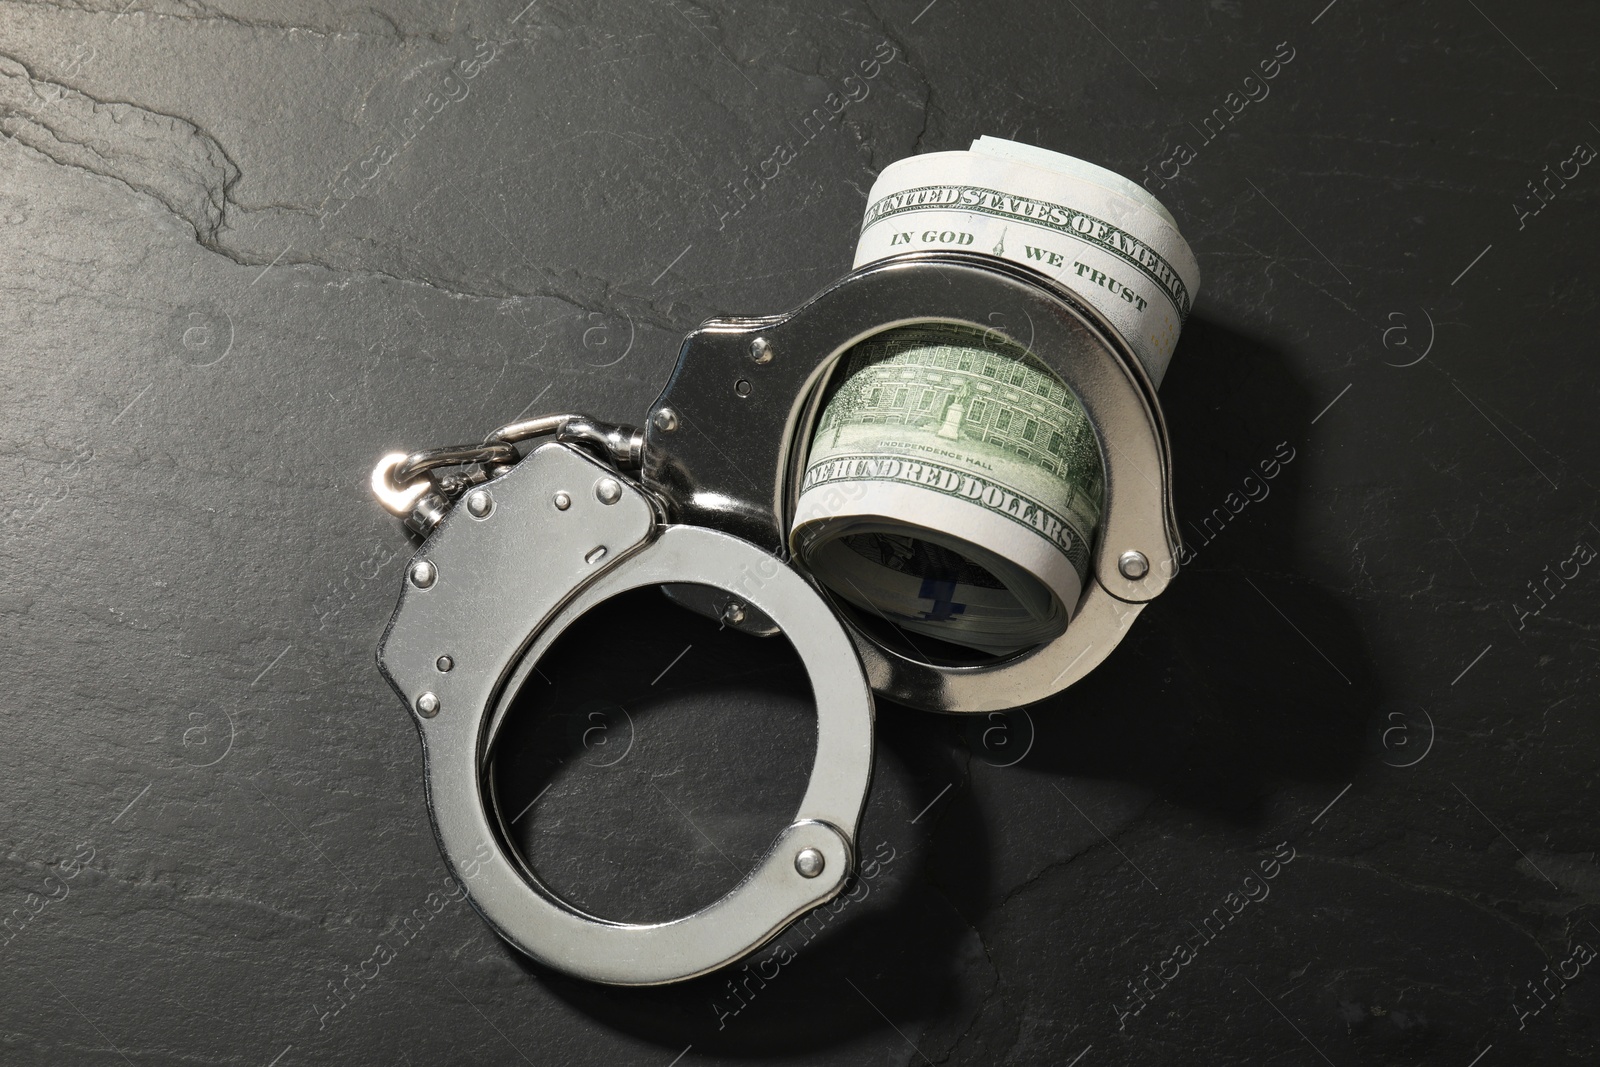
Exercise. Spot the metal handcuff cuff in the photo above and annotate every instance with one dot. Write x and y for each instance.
(519, 547)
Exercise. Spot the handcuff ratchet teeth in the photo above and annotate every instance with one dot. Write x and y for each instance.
(699, 502)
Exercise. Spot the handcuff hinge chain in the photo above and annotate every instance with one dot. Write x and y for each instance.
(406, 483)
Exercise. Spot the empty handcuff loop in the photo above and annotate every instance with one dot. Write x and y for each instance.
(490, 593)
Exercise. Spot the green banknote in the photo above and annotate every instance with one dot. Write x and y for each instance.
(953, 487)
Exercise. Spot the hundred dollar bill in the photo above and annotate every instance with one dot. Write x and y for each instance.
(1084, 227)
(954, 485)
(953, 488)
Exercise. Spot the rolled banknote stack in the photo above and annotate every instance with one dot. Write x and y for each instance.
(954, 485)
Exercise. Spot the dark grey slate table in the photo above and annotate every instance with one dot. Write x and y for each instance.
(248, 248)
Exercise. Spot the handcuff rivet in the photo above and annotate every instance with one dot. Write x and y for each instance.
(742, 387)
(607, 491)
(423, 575)
(1133, 565)
(809, 863)
(480, 503)
(427, 705)
(733, 614)
(445, 664)
(666, 420)
(562, 500)
(761, 350)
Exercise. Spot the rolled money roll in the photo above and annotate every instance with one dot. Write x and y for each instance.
(1086, 228)
(954, 485)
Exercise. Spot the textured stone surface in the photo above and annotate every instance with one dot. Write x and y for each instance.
(248, 248)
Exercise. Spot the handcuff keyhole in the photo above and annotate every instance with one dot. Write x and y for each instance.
(742, 387)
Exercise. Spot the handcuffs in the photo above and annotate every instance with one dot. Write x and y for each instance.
(520, 546)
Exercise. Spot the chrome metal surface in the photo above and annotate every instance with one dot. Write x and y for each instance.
(395, 500)
(809, 862)
(429, 510)
(509, 604)
(526, 429)
(737, 467)
(608, 490)
(622, 445)
(406, 484)
(419, 463)
(728, 608)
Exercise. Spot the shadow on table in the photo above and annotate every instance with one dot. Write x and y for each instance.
(1245, 673)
